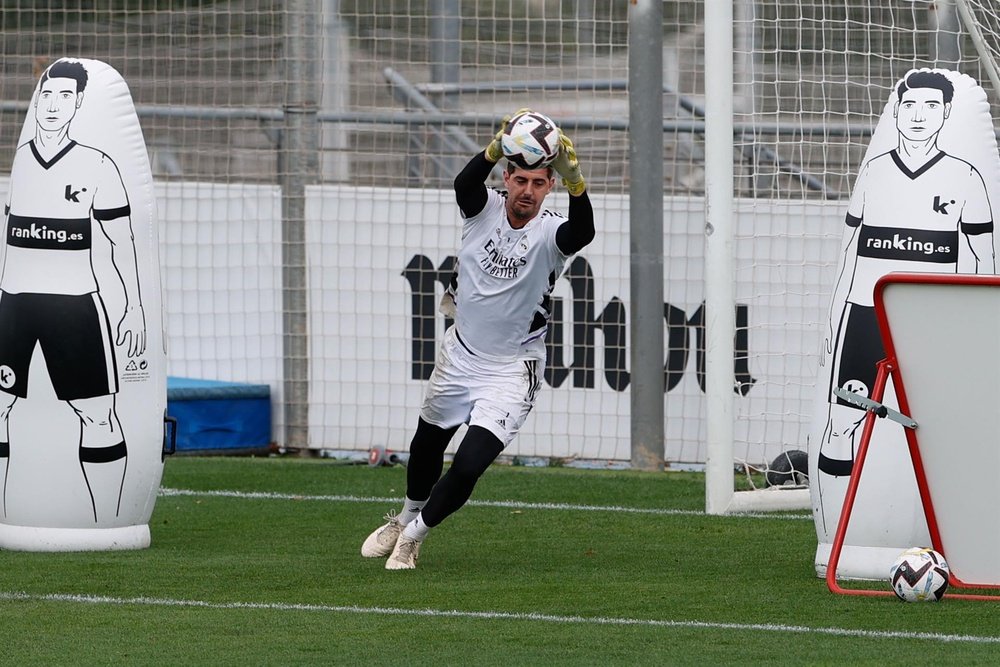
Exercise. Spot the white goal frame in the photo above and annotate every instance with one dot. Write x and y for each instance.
(985, 57)
(721, 496)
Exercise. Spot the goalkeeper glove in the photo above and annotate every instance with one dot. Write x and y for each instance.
(567, 166)
(494, 150)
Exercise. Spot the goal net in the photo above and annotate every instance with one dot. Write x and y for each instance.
(981, 21)
(810, 81)
(304, 151)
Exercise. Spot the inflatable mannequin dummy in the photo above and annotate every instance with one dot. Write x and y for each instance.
(923, 202)
(82, 361)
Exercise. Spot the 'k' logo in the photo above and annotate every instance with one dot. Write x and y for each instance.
(940, 206)
(6, 377)
(71, 194)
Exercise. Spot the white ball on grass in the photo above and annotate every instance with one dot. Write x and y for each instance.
(919, 575)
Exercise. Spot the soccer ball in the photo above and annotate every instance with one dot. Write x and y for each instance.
(919, 575)
(530, 140)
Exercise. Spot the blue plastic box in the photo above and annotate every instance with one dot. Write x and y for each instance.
(220, 417)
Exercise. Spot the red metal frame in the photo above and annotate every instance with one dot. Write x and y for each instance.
(886, 368)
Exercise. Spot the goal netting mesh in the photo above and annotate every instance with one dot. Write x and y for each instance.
(811, 80)
(304, 153)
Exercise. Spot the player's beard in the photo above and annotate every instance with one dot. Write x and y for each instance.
(523, 210)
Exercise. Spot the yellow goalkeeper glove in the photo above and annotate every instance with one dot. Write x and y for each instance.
(568, 167)
(494, 150)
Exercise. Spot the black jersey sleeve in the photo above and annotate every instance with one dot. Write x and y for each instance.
(578, 230)
(470, 185)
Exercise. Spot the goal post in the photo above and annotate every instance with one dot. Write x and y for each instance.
(720, 323)
(720, 293)
(982, 23)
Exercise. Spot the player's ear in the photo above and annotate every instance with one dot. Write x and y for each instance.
(947, 109)
(79, 100)
(895, 109)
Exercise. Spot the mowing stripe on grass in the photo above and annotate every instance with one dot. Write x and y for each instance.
(14, 596)
(509, 504)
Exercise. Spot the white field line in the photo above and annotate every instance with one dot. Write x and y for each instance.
(497, 615)
(508, 504)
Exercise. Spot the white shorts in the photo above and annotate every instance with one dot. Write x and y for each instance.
(467, 389)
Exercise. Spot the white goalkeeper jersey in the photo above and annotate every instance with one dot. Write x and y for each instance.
(505, 277)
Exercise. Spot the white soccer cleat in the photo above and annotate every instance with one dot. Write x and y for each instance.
(383, 539)
(404, 555)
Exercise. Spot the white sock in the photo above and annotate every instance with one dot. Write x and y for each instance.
(411, 508)
(416, 529)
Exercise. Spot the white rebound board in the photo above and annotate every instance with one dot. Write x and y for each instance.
(943, 331)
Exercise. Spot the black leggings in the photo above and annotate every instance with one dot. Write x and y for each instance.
(446, 494)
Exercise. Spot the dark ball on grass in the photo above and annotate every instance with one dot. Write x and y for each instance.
(791, 467)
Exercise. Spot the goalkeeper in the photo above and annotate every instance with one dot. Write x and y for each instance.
(489, 367)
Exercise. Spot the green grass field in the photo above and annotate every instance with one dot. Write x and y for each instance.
(256, 562)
